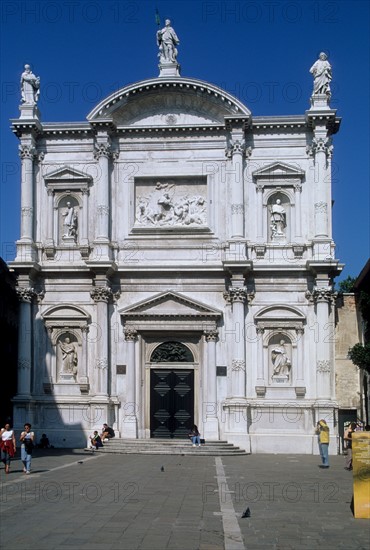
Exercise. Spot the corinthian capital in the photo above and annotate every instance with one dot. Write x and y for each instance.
(102, 150)
(238, 146)
(211, 335)
(321, 295)
(26, 295)
(320, 145)
(130, 334)
(237, 294)
(27, 152)
(101, 294)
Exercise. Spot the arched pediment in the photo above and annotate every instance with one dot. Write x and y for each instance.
(168, 102)
(65, 312)
(279, 313)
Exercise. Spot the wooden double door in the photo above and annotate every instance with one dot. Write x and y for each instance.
(171, 402)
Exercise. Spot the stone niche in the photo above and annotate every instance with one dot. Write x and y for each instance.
(171, 203)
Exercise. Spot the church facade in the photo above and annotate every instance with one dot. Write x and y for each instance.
(175, 267)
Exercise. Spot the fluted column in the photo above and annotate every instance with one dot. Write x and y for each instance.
(237, 296)
(25, 296)
(260, 374)
(298, 212)
(259, 189)
(210, 421)
(84, 222)
(235, 154)
(102, 296)
(102, 153)
(27, 154)
(321, 147)
(323, 297)
(300, 355)
(130, 407)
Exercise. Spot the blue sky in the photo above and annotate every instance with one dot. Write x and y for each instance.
(260, 51)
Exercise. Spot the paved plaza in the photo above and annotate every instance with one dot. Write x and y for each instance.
(76, 500)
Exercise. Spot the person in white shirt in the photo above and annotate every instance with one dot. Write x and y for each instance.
(8, 446)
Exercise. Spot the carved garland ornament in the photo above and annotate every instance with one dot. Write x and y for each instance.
(238, 365)
(323, 366)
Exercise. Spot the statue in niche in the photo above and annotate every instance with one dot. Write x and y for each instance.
(69, 356)
(30, 86)
(162, 208)
(321, 71)
(280, 360)
(277, 219)
(167, 41)
(70, 221)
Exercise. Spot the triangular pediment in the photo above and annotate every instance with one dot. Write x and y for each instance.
(170, 304)
(67, 174)
(279, 170)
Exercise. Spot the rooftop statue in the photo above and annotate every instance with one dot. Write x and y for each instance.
(30, 86)
(321, 71)
(167, 41)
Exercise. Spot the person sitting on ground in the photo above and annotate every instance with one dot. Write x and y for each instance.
(44, 442)
(96, 441)
(195, 436)
(107, 433)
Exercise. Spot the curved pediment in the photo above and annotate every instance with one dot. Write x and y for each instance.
(168, 102)
(279, 313)
(65, 312)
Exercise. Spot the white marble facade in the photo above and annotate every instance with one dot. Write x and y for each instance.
(172, 214)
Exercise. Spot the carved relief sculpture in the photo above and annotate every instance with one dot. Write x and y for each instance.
(169, 205)
(30, 86)
(321, 71)
(277, 219)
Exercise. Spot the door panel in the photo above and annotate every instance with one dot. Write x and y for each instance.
(171, 402)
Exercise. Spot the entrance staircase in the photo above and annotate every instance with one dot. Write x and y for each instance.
(168, 447)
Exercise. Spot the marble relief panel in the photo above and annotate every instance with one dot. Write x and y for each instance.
(171, 202)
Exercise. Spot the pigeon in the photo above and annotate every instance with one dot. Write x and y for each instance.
(247, 513)
(80, 462)
(162, 468)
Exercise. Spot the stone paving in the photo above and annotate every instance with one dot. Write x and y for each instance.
(73, 500)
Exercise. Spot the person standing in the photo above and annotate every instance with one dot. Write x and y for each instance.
(348, 439)
(323, 433)
(27, 445)
(8, 446)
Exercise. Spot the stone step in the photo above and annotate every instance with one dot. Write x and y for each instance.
(170, 446)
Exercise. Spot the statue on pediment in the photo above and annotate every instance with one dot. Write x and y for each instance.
(30, 86)
(321, 71)
(167, 41)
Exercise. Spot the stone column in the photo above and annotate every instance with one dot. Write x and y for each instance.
(102, 154)
(25, 296)
(209, 405)
(25, 251)
(322, 297)
(321, 146)
(260, 373)
(298, 212)
(237, 296)
(101, 296)
(300, 356)
(130, 407)
(259, 189)
(235, 153)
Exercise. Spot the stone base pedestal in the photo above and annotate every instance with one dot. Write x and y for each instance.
(210, 429)
(129, 427)
(29, 111)
(169, 69)
(320, 101)
(280, 379)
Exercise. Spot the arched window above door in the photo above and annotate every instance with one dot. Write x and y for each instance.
(172, 352)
